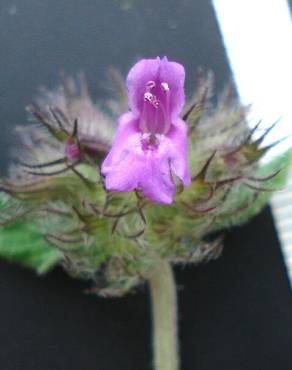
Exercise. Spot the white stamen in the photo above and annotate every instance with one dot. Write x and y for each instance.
(145, 135)
(150, 85)
(165, 107)
(148, 96)
(151, 99)
(164, 86)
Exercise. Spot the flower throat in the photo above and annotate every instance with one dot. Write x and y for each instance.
(155, 117)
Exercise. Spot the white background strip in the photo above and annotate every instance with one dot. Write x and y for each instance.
(258, 38)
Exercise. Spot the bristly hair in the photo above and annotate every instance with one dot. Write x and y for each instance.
(56, 191)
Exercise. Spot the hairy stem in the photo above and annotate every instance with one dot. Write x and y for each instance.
(164, 316)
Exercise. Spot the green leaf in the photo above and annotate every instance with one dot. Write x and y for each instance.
(244, 195)
(21, 242)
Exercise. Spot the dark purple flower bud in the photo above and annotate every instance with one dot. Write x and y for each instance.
(71, 150)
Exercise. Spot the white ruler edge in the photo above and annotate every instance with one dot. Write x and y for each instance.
(257, 35)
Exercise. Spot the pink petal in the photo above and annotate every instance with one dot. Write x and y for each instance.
(174, 74)
(135, 163)
(128, 166)
(137, 170)
(123, 165)
(142, 72)
(179, 161)
(125, 173)
(157, 183)
(157, 70)
(127, 126)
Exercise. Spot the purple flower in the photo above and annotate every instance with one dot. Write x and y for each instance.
(151, 141)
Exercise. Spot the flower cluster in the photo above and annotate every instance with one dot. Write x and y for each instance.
(110, 203)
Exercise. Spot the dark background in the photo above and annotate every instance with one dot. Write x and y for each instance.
(236, 312)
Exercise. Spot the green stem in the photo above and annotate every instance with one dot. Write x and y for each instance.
(164, 313)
